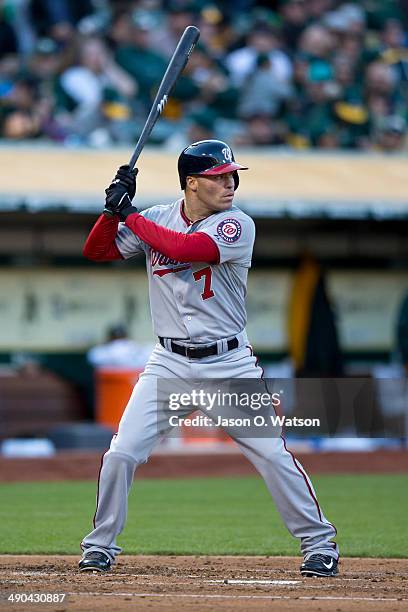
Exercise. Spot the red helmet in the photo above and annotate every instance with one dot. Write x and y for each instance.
(207, 157)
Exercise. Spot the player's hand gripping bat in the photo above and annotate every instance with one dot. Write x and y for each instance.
(176, 66)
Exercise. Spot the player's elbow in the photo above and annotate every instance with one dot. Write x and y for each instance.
(91, 254)
(101, 252)
(88, 253)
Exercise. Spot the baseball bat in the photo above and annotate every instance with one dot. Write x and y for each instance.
(176, 66)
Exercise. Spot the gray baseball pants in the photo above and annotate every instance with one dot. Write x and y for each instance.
(139, 432)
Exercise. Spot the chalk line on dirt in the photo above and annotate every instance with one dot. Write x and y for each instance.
(219, 596)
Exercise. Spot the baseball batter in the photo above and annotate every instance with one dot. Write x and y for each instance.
(198, 252)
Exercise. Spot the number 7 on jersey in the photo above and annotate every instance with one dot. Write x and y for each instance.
(207, 273)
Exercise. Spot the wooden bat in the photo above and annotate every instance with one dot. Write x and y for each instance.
(176, 66)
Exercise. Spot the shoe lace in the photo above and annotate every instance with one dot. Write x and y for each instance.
(99, 556)
(320, 557)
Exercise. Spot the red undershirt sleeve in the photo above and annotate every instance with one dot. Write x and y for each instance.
(100, 244)
(190, 248)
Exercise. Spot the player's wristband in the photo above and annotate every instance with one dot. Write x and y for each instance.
(125, 212)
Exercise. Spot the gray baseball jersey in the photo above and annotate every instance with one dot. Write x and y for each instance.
(197, 302)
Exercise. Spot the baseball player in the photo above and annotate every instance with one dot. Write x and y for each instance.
(198, 252)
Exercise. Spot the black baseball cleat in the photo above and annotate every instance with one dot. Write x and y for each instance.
(319, 565)
(94, 561)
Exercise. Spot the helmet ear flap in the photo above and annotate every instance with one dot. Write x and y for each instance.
(236, 180)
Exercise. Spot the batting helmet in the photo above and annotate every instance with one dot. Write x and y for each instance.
(207, 157)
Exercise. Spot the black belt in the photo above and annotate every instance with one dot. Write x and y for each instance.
(197, 352)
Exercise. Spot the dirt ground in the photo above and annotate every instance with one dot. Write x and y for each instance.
(206, 583)
(85, 466)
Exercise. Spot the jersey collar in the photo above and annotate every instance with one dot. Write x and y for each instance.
(183, 215)
(188, 221)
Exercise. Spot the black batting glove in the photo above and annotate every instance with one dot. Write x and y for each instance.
(117, 202)
(120, 193)
(127, 177)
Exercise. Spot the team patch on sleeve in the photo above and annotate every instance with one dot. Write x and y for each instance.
(229, 230)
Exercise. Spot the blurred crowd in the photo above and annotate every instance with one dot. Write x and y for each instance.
(295, 73)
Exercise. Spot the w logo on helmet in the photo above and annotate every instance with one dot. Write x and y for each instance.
(227, 153)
